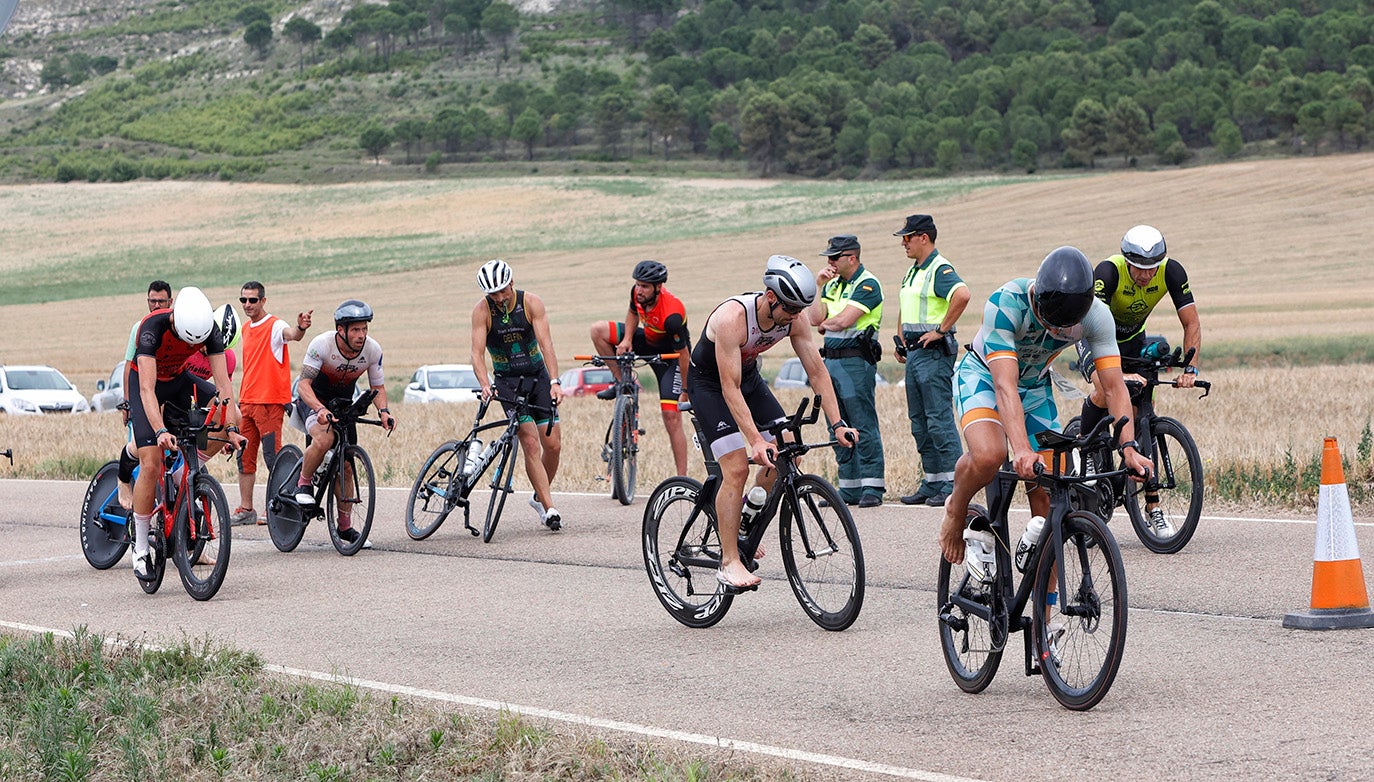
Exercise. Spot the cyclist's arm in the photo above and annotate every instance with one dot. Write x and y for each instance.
(1192, 341)
(1006, 372)
(383, 413)
(804, 345)
(147, 389)
(1119, 404)
(481, 323)
(727, 328)
(306, 391)
(534, 308)
(626, 344)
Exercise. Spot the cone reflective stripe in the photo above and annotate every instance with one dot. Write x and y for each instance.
(1339, 597)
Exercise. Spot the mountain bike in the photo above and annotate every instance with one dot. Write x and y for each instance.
(344, 480)
(621, 451)
(190, 511)
(1164, 510)
(819, 548)
(449, 475)
(1074, 584)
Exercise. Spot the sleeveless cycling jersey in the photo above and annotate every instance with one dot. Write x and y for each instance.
(664, 332)
(338, 374)
(757, 341)
(158, 339)
(511, 341)
(1131, 304)
(1011, 330)
(266, 363)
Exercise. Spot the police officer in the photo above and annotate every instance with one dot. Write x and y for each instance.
(848, 314)
(932, 299)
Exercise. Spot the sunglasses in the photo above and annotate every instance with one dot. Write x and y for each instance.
(790, 310)
(159, 302)
(249, 299)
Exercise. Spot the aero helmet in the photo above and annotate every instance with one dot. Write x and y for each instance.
(494, 275)
(651, 272)
(352, 311)
(192, 317)
(228, 322)
(1064, 287)
(1144, 247)
(790, 280)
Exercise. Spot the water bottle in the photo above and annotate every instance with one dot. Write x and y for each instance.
(980, 551)
(1029, 539)
(753, 503)
(473, 460)
(324, 464)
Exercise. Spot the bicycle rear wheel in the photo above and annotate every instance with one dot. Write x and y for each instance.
(355, 493)
(1100, 498)
(624, 449)
(504, 458)
(104, 522)
(822, 555)
(1178, 479)
(285, 521)
(203, 535)
(1081, 637)
(682, 554)
(435, 492)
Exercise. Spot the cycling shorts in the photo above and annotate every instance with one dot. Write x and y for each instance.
(976, 400)
(708, 404)
(541, 396)
(666, 372)
(173, 396)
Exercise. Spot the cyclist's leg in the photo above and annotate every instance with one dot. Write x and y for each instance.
(321, 440)
(669, 392)
(150, 468)
(985, 452)
(606, 336)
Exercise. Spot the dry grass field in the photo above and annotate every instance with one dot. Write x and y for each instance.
(1275, 250)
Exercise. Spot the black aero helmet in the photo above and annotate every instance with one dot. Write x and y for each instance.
(790, 280)
(1064, 287)
(1144, 247)
(651, 272)
(352, 311)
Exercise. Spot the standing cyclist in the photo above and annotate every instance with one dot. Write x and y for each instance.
(732, 400)
(656, 322)
(330, 371)
(513, 325)
(159, 298)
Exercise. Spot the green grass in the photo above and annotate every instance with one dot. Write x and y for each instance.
(1302, 352)
(1295, 479)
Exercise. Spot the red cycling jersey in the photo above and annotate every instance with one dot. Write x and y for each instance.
(157, 339)
(664, 323)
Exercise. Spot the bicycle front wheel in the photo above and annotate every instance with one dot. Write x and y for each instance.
(624, 449)
(436, 490)
(285, 521)
(353, 498)
(104, 522)
(500, 487)
(1080, 636)
(821, 554)
(157, 546)
(203, 535)
(682, 553)
(1168, 527)
(967, 635)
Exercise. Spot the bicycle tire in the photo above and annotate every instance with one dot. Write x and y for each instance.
(357, 482)
(212, 534)
(828, 576)
(624, 446)
(104, 540)
(1080, 663)
(1178, 474)
(431, 496)
(157, 545)
(285, 522)
(504, 459)
(668, 513)
(1103, 494)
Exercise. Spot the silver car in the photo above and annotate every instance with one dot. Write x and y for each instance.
(109, 393)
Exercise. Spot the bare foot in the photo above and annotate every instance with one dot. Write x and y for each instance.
(126, 495)
(952, 539)
(206, 559)
(737, 575)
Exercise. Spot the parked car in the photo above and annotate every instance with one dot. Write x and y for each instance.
(38, 389)
(109, 393)
(793, 375)
(443, 383)
(584, 381)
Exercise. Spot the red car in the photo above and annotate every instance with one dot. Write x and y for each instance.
(585, 381)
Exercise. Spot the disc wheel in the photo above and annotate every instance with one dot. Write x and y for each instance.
(285, 522)
(354, 494)
(682, 553)
(821, 554)
(1178, 480)
(104, 522)
(203, 537)
(436, 490)
(624, 449)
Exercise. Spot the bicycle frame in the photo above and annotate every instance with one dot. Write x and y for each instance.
(352, 414)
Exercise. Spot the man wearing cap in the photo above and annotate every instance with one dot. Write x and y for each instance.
(848, 314)
(932, 298)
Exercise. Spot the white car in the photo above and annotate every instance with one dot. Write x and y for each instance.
(443, 383)
(109, 393)
(793, 375)
(38, 389)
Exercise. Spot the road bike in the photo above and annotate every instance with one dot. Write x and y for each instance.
(621, 451)
(191, 511)
(1164, 510)
(1074, 583)
(344, 479)
(449, 475)
(820, 547)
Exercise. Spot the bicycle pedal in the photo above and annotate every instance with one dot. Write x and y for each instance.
(735, 590)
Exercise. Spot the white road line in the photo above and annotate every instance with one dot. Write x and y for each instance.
(834, 761)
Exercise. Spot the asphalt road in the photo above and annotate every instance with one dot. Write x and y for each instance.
(1211, 687)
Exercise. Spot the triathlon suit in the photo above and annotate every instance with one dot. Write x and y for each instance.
(337, 374)
(662, 329)
(1131, 304)
(516, 362)
(1012, 332)
(175, 385)
(703, 381)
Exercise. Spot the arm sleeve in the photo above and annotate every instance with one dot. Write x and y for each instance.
(1105, 280)
(1176, 280)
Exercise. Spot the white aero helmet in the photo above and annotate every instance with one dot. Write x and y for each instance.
(228, 321)
(790, 280)
(1144, 247)
(192, 316)
(494, 275)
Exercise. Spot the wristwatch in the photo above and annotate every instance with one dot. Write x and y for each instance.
(1190, 370)
(1128, 444)
(386, 410)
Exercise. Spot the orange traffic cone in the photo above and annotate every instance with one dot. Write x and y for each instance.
(1339, 598)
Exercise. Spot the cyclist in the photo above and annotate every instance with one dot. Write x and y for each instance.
(159, 298)
(330, 371)
(1131, 284)
(656, 322)
(513, 325)
(733, 402)
(1004, 383)
(166, 339)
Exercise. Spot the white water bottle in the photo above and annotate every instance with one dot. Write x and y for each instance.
(753, 503)
(980, 552)
(473, 460)
(1029, 540)
(324, 464)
